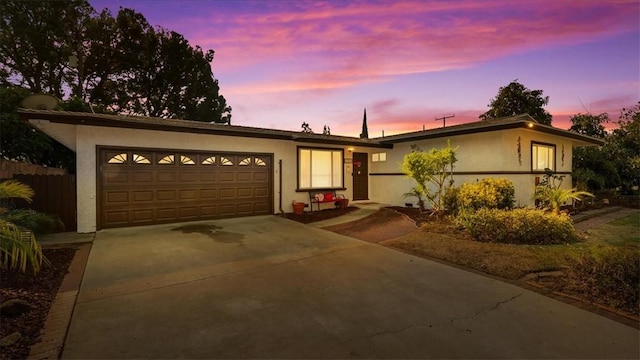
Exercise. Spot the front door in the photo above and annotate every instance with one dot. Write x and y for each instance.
(360, 176)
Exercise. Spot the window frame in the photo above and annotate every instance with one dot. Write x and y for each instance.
(547, 145)
(298, 168)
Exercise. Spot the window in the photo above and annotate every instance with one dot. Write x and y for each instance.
(320, 168)
(543, 156)
(379, 157)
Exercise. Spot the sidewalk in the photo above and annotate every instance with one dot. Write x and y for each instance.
(594, 218)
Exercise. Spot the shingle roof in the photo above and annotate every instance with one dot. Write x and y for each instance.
(511, 122)
(141, 122)
(175, 125)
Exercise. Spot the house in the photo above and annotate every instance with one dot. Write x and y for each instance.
(141, 171)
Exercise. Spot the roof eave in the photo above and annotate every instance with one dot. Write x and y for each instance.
(86, 119)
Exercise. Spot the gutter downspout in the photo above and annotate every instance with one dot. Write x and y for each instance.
(280, 186)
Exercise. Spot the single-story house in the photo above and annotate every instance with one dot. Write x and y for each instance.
(141, 171)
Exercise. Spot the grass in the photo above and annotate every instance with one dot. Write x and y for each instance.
(443, 241)
(620, 232)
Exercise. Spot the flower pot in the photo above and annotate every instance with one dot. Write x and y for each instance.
(344, 203)
(298, 208)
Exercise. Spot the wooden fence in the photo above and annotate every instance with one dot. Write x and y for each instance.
(54, 194)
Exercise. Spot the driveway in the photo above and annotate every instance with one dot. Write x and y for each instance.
(267, 287)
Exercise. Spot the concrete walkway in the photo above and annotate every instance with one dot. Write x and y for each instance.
(594, 218)
(267, 287)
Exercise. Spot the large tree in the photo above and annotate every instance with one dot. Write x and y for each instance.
(64, 48)
(618, 161)
(20, 142)
(515, 99)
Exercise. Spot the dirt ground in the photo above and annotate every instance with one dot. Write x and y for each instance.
(382, 225)
(39, 291)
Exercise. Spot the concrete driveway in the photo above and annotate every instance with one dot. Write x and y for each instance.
(266, 287)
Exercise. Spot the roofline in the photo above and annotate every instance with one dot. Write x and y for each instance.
(463, 130)
(188, 126)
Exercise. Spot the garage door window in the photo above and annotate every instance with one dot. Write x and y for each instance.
(320, 168)
(167, 160)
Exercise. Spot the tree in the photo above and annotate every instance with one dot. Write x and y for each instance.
(20, 142)
(591, 125)
(65, 48)
(623, 149)
(18, 246)
(591, 170)
(430, 168)
(515, 99)
(34, 42)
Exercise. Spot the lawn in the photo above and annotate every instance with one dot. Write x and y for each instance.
(547, 264)
(624, 231)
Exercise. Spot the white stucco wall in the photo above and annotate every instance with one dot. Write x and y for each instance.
(88, 137)
(481, 155)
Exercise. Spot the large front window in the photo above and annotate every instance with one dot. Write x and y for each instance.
(320, 168)
(543, 157)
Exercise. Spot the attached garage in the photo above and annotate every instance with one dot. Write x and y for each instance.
(138, 186)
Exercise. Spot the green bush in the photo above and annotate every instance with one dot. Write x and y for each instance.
(519, 226)
(611, 278)
(450, 200)
(486, 193)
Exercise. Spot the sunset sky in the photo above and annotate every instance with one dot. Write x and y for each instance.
(281, 63)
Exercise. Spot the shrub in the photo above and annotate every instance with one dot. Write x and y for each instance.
(611, 278)
(519, 226)
(450, 200)
(486, 193)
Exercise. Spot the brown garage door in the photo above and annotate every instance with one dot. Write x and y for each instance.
(142, 186)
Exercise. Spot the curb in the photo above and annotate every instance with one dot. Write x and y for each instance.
(54, 331)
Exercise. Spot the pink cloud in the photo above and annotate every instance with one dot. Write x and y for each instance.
(343, 45)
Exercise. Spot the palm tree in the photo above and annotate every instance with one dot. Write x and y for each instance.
(18, 246)
(553, 197)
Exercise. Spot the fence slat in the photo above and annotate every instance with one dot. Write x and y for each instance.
(54, 194)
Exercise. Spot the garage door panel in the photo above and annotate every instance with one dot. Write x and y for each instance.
(143, 187)
(188, 213)
(142, 177)
(165, 195)
(189, 194)
(208, 210)
(245, 176)
(166, 214)
(115, 177)
(142, 195)
(245, 192)
(142, 215)
(245, 208)
(261, 208)
(209, 194)
(190, 176)
(117, 217)
(166, 177)
(261, 177)
(261, 192)
(227, 176)
(208, 176)
(227, 210)
(229, 193)
(114, 197)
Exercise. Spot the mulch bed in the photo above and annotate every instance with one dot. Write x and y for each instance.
(39, 291)
(309, 217)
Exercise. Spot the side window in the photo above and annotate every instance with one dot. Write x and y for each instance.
(543, 156)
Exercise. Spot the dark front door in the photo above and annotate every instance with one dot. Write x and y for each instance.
(360, 176)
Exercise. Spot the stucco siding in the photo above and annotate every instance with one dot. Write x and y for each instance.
(89, 137)
(484, 155)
